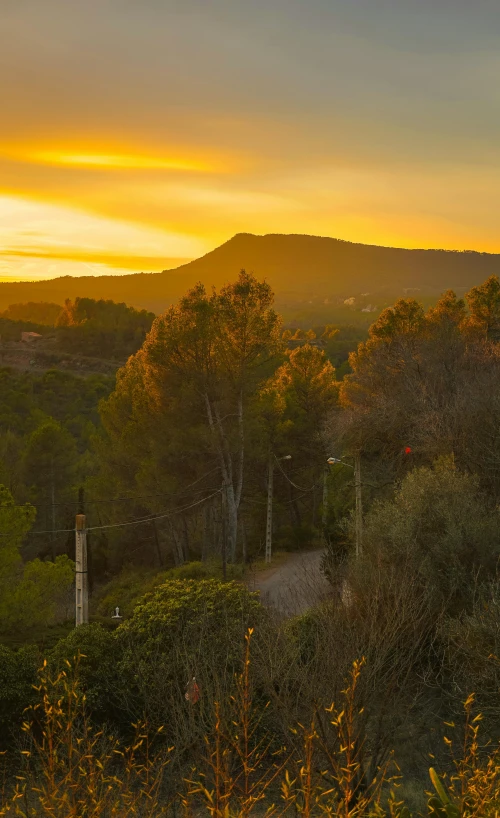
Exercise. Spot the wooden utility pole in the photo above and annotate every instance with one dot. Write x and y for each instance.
(81, 584)
(359, 507)
(269, 519)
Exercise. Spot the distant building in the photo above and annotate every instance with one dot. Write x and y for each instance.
(29, 337)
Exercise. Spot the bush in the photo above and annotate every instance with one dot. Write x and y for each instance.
(132, 584)
(95, 652)
(185, 628)
(440, 528)
(472, 649)
(18, 675)
(124, 591)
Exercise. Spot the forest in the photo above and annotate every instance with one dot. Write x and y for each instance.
(202, 699)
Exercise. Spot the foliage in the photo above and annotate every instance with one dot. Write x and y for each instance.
(438, 526)
(43, 594)
(18, 675)
(11, 331)
(15, 521)
(427, 381)
(36, 312)
(185, 628)
(184, 409)
(471, 642)
(70, 769)
(127, 588)
(96, 651)
(49, 459)
(102, 328)
(29, 593)
(69, 399)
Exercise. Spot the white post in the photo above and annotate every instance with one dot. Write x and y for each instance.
(81, 583)
(269, 522)
(359, 508)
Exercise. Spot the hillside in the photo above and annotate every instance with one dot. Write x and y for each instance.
(302, 270)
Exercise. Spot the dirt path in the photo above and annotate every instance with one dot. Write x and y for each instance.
(294, 586)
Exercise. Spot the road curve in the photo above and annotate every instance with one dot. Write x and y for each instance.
(294, 586)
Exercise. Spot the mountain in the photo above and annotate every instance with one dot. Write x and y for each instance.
(302, 270)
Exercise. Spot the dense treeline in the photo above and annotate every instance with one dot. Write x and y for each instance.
(44, 313)
(100, 329)
(47, 423)
(198, 413)
(200, 416)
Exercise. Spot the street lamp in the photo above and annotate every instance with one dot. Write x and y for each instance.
(269, 520)
(357, 488)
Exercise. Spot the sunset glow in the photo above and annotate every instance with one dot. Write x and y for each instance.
(177, 126)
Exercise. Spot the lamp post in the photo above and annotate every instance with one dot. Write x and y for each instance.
(269, 518)
(357, 488)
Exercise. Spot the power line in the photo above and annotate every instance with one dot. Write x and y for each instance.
(141, 520)
(299, 488)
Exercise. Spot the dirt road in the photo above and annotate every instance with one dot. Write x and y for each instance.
(294, 586)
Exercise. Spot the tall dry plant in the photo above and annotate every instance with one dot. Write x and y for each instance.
(331, 777)
(473, 789)
(240, 769)
(74, 771)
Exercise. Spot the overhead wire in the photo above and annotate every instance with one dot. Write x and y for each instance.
(88, 501)
(299, 488)
(139, 521)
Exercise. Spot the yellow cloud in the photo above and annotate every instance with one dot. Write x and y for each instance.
(113, 159)
(102, 257)
(120, 161)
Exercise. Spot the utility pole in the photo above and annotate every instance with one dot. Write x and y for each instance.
(269, 519)
(81, 581)
(358, 518)
(359, 507)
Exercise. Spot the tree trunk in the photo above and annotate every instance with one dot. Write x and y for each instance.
(178, 552)
(232, 522)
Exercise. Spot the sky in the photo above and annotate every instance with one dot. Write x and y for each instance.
(138, 134)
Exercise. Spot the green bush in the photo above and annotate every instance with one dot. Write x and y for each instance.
(439, 528)
(124, 591)
(93, 653)
(185, 628)
(18, 675)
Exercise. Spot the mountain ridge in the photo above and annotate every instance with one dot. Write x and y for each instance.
(298, 266)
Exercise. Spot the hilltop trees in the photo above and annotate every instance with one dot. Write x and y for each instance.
(36, 312)
(429, 382)
(183, 403)
(102, 328)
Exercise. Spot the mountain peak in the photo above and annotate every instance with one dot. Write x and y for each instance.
(296, 265)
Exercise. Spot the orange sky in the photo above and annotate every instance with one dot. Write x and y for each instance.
(135, 135)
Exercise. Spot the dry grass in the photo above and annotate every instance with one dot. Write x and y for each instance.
(71, 770)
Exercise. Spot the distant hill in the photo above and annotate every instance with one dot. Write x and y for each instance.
(302, 270)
